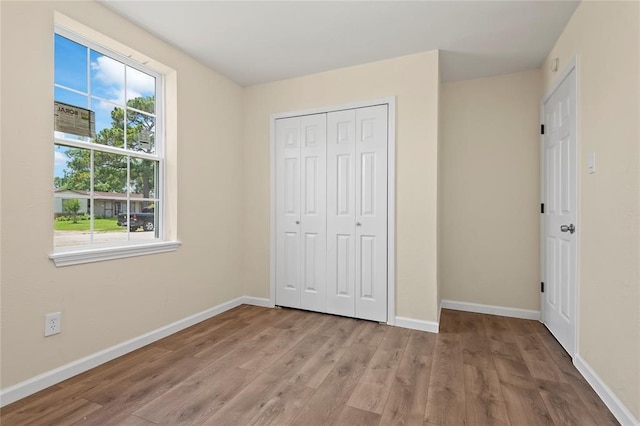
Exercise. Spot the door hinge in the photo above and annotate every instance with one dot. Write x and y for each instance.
(542, 287)
(542, 208)
(542, 129)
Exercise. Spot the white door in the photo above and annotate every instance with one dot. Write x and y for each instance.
(288, 212)
(313, 215)
(341, 212)
(559, 245)
(357, 213)
(301, 212)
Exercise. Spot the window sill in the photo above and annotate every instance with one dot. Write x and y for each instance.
(77, 257)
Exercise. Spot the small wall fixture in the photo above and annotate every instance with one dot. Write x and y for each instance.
(554, 64)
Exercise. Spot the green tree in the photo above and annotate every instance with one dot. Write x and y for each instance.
(71, 206)
(110, 170)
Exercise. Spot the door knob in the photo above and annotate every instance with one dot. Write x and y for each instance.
(297, 222)
(358, 224)
(568, 228)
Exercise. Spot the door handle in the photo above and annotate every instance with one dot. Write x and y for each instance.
(358, 224)
(568, 228)
(297, 222)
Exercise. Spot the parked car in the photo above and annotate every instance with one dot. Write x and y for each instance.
(145, 220)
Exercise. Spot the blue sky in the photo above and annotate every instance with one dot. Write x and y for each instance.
(81, 69)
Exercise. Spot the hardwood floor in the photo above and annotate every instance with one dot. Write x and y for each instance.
(258, 366)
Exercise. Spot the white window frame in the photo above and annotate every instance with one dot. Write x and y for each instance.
(72, 255)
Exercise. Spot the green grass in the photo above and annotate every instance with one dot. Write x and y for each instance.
(99, 225)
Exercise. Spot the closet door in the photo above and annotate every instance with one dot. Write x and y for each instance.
(313, 222)
(288, 212)
(341, 212)
(357, 213)
(301, 212)
(371, 213)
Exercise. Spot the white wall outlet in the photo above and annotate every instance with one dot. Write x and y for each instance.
(52, 323)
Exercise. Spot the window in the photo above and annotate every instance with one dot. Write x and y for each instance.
(108, 151)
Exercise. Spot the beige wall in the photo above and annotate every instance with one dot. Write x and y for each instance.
(106, 303)
(414, 80)
(606, 38)
(489, 190)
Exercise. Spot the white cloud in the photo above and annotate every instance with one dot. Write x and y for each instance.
(139, 83)
(111, 74)
(59, 159)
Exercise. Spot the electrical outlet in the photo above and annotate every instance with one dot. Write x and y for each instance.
(52, 323)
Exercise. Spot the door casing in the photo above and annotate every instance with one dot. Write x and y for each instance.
(391, 184)
(572, 66)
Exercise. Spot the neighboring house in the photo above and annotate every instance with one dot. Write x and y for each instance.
(105, 204)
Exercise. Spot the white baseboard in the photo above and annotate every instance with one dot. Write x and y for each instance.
(50, 378)
(617, 408)
(257, 301)
(414, 324)
(490, 309)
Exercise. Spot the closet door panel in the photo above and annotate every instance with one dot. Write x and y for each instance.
(371, 213)
(341, 212)
(288, 203)
(313, 222)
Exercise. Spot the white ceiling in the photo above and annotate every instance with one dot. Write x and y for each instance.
(263, 41)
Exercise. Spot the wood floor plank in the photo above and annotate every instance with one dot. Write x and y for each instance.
(446, 399)
(147, 381)
(111, 373)
(525, 405)
(476, 350)
(229, 340)
(260, 366)
(373, 389)
(205, 403)
(372, 334)
(126, 421)
(248, 402)
(537, 358)
(450, 322)
(67, 414)
(564, 405)
(67, 411)
(522, 399)
(408, 395)
(34, 401)
(115, 368)
(204, 328)
(318, 367)
(355, 417)
(288, 365)
(589, 397)
(483, 397)
(496, 328)
(185, 399)
(520, 327)
(326, 404)
(269, 353)
(472, 323)
(284, 406)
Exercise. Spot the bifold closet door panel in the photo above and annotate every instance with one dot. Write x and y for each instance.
(371, 213)
(288, 212)
(313, 222)
(341, 212)
(301, 212)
